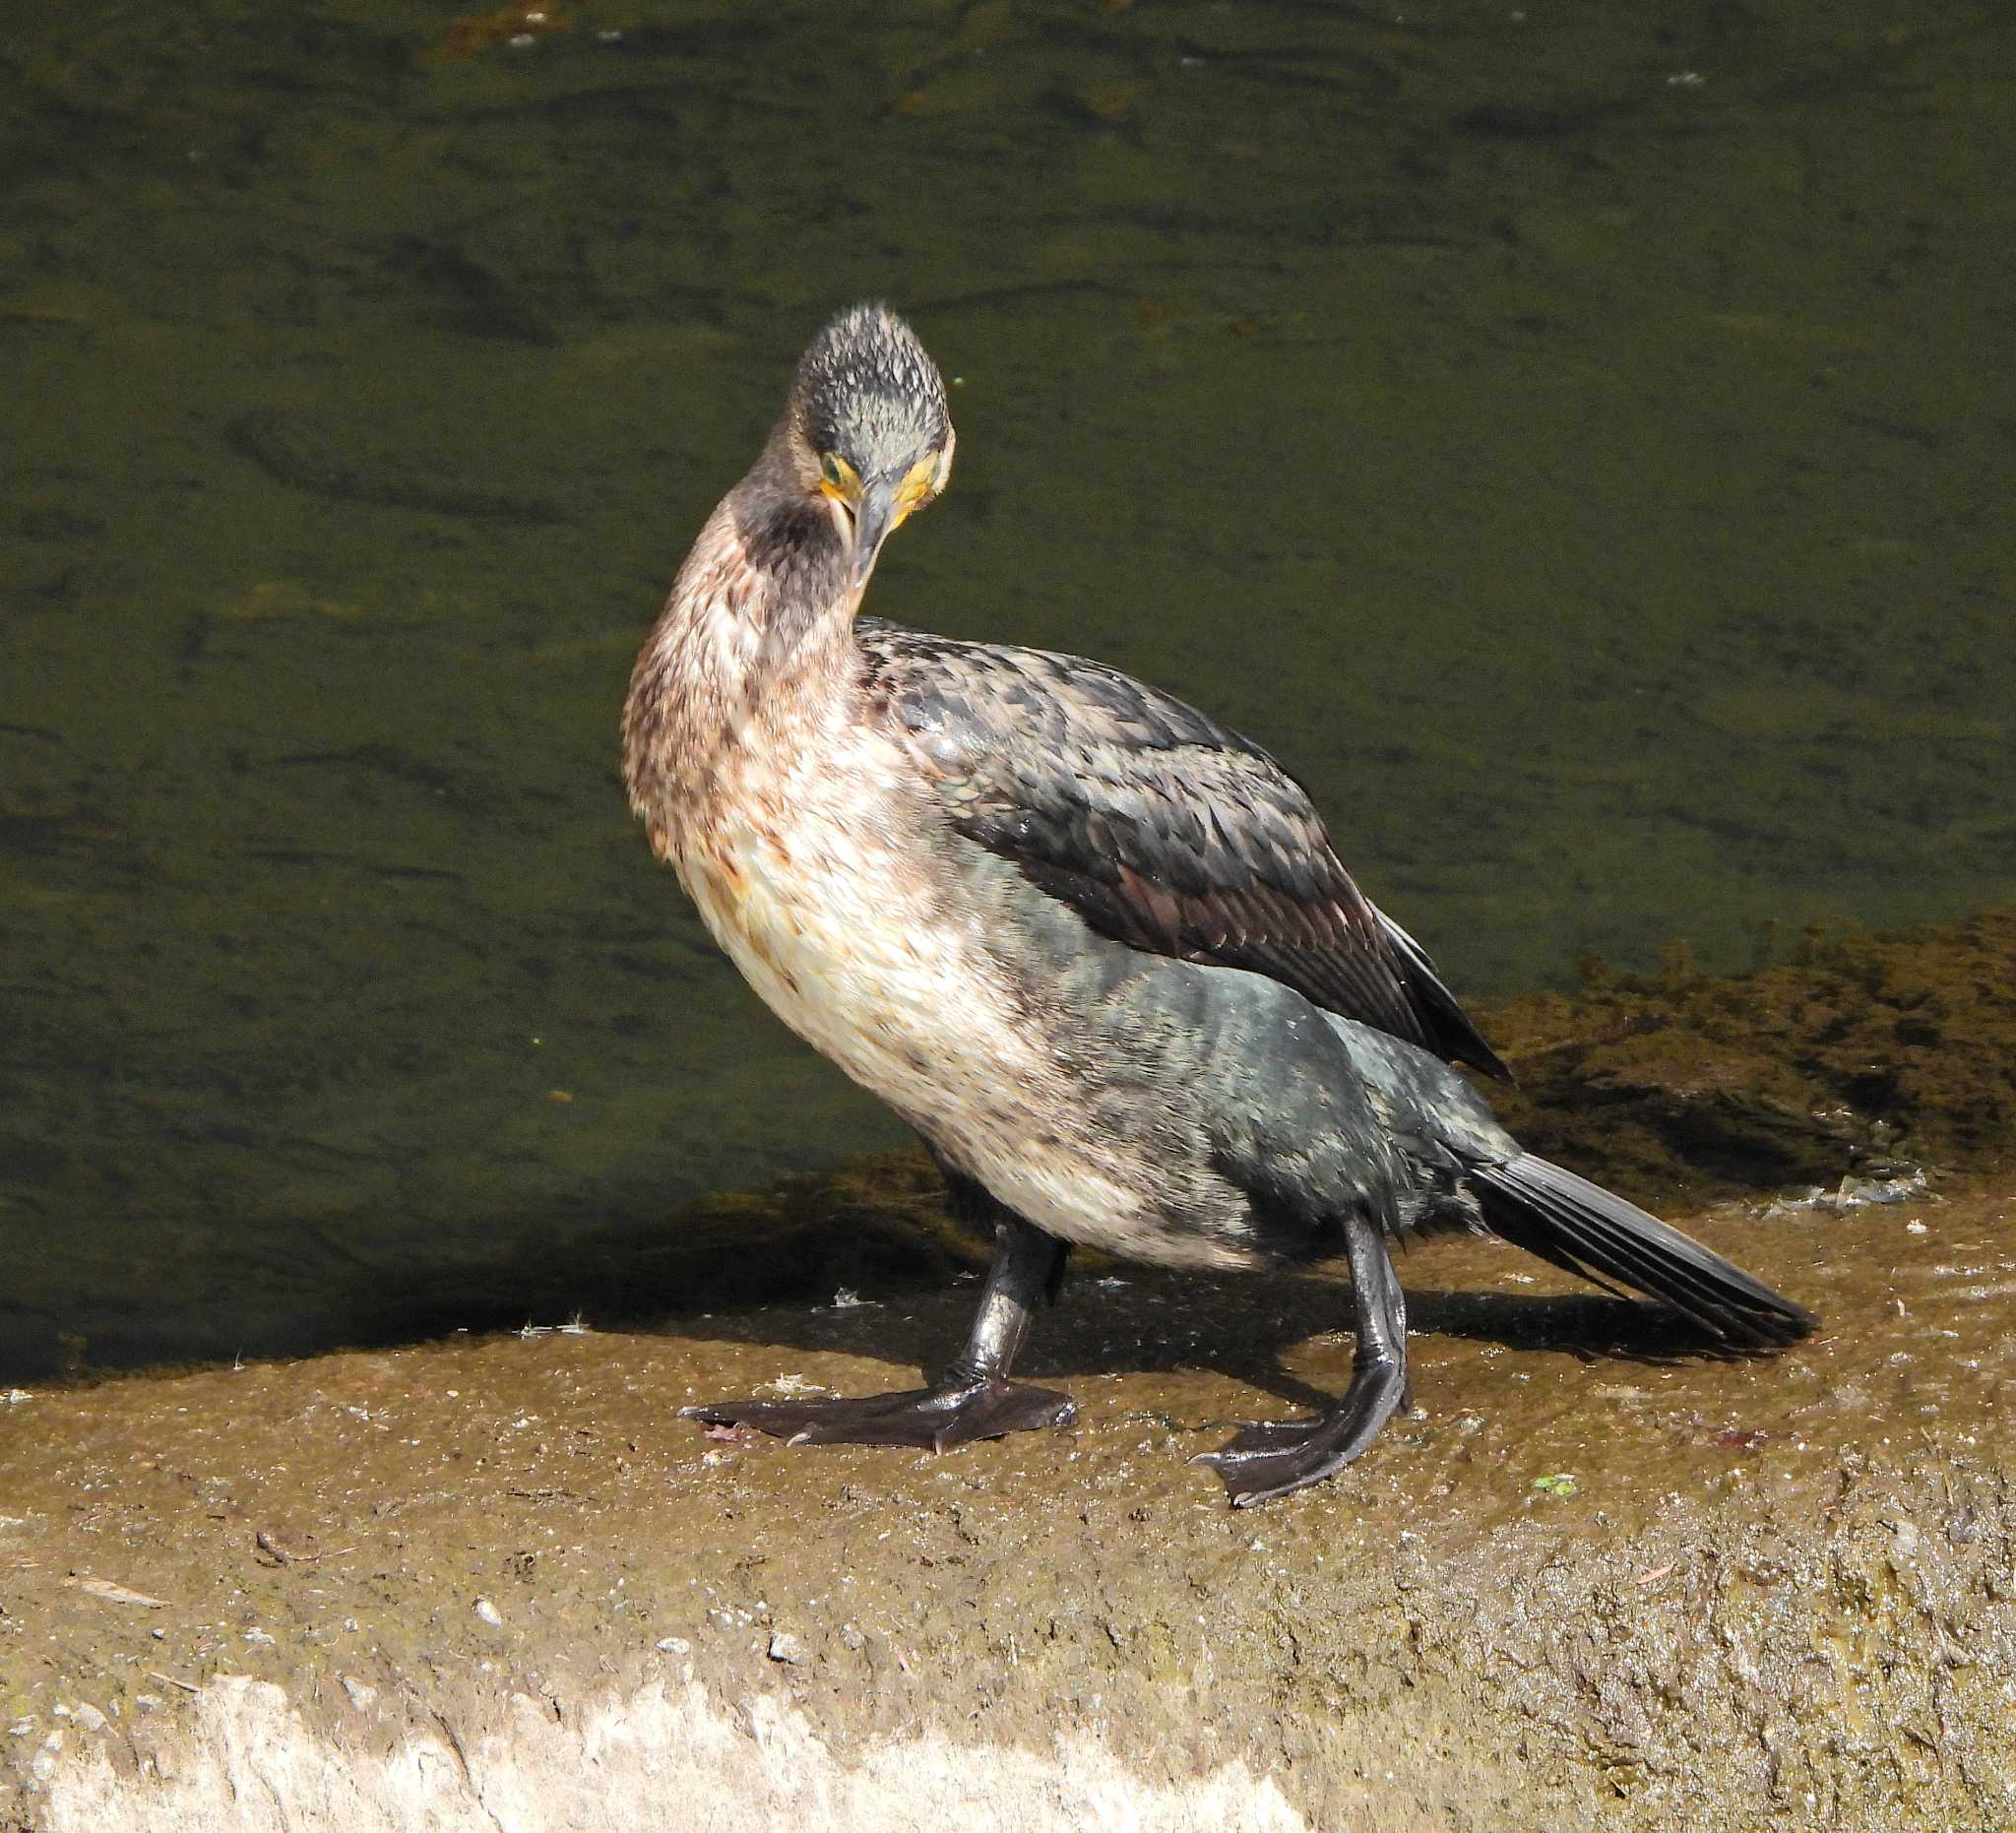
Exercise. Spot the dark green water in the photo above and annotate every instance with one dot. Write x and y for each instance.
(1579, 441)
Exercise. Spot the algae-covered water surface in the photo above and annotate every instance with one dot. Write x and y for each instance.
(1576, 439)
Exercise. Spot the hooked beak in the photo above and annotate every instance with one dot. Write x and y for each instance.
(875, 514)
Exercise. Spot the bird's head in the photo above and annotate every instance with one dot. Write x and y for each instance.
(868, 426)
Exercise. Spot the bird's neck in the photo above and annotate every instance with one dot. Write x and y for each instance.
(753, 654)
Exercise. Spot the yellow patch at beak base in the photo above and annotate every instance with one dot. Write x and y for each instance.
(916, 486)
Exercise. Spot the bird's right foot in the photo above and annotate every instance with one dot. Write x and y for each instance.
(932, 1418)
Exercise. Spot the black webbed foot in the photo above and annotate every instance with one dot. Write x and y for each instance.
(933, 1419)
(972, 1399)
(1267, 1460)
(1271, 1460)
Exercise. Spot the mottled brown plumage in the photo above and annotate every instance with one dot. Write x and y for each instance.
(1097, 949)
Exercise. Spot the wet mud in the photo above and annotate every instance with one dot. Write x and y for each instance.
(1853, 1056)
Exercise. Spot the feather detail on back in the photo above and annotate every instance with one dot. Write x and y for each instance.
(1164, 829)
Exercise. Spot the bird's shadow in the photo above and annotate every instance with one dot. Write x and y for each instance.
(1155, 1323)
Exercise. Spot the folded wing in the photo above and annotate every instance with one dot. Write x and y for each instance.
(1165, 830)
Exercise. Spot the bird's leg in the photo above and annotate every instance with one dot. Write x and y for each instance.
(1271, 1460)
(972, 1399)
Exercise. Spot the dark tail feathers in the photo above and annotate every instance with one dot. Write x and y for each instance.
(1583, 1228)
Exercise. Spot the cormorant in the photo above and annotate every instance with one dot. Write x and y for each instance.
(1096, 948)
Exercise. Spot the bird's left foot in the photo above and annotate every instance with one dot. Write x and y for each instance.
(933, 1419)
(1267, 1460)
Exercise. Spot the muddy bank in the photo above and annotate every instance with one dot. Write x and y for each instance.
(1853, 1054)
(1597, 1580)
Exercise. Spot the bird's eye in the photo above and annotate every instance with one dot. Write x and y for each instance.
(840, 483)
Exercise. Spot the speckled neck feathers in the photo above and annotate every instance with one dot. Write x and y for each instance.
(756, 632)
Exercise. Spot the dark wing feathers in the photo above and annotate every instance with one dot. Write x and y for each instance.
(1165, 830)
